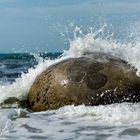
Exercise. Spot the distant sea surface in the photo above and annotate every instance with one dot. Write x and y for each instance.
(14, 64)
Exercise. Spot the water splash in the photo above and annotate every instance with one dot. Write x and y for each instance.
(93, 42)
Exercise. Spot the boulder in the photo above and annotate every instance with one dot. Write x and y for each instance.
(94, 79)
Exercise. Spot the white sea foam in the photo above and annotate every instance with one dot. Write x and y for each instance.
(115, 114)
(2, 66)
(75, 122)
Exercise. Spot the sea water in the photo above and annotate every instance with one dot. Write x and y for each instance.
(18, 72)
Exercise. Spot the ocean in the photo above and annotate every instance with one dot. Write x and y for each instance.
(105, 122)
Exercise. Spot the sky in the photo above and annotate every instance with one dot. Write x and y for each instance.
(47, 25)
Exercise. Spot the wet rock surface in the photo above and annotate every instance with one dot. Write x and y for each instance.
(14, 102)
(94, 79)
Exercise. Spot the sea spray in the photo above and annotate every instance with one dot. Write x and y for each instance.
(92, 42)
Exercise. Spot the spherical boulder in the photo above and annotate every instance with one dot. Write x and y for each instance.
(94, 79)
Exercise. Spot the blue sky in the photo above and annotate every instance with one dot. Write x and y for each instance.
(39, 25)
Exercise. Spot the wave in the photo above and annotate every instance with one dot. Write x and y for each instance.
(106, 117)
(113, 115)
(90, 42)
